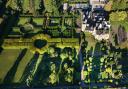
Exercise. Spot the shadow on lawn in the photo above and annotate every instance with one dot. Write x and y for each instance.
(44, 71)
(95, 64)
(29, 68)
(3, 7)
(124, 63)
(7, 24)
(11, 73)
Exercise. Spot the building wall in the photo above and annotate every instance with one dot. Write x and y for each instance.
(98, 3)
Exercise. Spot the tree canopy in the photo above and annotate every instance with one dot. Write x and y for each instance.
(118, 16)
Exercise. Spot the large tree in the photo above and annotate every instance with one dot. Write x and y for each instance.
(119, 4)
(118, 16)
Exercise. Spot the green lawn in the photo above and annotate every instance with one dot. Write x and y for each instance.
(22, 20)
(122, 23)
(26, 6)
(38, 21)
(37, 3)
(115, 26)
(91, 40)
(22, 65)
(7, 59)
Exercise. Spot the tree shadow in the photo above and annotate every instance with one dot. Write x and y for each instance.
(3, 7)
(124, 60)
(1, 49)
(95, 64)
(11, 73)
(43, 71)
(8, 23)
(29, 67)
(76, 66)
(124, 63)
(90, 52)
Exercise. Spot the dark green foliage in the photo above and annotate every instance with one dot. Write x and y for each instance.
(40, 43)
(119, 4)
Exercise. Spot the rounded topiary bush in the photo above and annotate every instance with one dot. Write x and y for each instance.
(39, 43)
